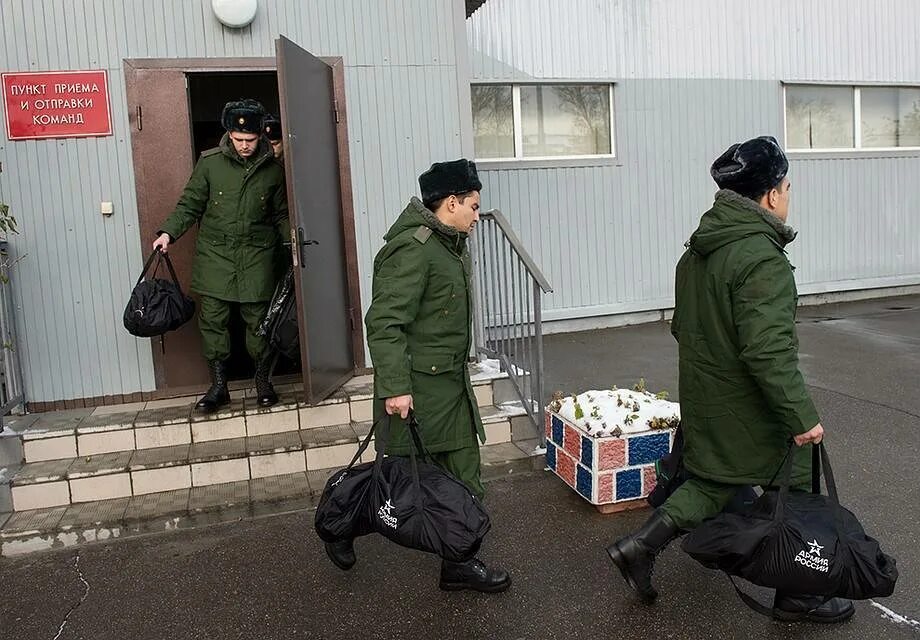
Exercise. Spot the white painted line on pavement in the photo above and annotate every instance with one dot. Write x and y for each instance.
(896, 617)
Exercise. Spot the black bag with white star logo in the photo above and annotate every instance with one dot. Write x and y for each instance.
(797, 542)
(157, 305)
(406, 499)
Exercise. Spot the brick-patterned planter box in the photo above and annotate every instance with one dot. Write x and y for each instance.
(605, 470)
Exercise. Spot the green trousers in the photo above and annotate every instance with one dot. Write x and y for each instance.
(463, 464)
(214, 323)
(698, 499)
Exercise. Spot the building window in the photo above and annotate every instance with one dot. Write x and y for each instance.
(834, 118)
(542, 121)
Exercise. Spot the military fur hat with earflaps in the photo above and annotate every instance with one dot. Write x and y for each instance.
(271, 127)
(751, 168)
(244, 116)
(448, 178)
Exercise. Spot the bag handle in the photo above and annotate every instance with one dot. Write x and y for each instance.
(820, 464)
(169, 265)
(413, 426)
(761, 608)
(382, 440)
(161, 257)
(828, 473)
(147, 266)
(365, 443)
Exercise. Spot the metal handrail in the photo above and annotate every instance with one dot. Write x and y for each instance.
(518, 247)
(508, 292)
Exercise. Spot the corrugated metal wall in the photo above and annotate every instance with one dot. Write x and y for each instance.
(789, 39)
(691, 78)
(401, 59)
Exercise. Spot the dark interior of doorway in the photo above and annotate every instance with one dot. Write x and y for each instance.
(208, 93)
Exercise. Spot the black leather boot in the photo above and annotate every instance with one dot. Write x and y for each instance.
(265, 392)
(473, 575)
(342, 553)
(635, 554)
(791, 608)
(218, 395)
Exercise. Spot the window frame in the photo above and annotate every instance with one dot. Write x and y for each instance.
(857, 150)
(518, 131)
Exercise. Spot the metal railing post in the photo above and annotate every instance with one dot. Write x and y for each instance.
(538, 379)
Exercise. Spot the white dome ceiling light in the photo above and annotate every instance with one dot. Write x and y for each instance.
(235, 14)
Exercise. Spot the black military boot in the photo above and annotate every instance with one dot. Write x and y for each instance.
(635, 554)
(265, 392)
(473, 575)
(791, 608)
(342, 553)
(218, 395)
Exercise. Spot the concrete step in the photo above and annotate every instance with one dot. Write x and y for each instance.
(134, 472)
(98, 520)
(80, 433)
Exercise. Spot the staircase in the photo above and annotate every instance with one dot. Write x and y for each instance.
(79, 476)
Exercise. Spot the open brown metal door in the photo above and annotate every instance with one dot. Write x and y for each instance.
(158, 108)
(311, 160)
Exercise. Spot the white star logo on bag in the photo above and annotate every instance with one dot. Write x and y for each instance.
(815, 547)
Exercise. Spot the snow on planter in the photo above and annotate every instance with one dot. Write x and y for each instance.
(604, 444)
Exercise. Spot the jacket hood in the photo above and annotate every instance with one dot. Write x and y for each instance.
(417, 214)
(733, 217)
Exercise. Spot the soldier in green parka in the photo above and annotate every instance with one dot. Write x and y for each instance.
(742, 396)
(419, 336)
(238, 197)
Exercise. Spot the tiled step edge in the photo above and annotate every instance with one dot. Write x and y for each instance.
(97, 521)
(58, 437)
(130, 473)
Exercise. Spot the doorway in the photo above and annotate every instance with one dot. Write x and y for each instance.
(208, 92)
(182, 100)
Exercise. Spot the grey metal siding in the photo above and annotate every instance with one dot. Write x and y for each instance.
(864, 40)
(78, 267)
(691, 78)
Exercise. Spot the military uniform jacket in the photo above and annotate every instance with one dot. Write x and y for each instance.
(241, 206)
(419, 330)
(742, 396)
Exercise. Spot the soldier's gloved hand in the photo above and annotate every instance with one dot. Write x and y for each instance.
(812, 436)
(161, 243)
(400, 405)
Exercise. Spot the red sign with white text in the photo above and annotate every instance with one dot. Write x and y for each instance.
(56, 104)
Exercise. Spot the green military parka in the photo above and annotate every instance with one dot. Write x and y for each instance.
(419, 330)
(241, 205)
(742, 395)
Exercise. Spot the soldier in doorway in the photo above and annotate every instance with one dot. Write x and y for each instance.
(419, 335)
(237, 195)
(271, 127)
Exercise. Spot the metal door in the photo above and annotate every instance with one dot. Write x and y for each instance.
(163, 161)
(311, 160)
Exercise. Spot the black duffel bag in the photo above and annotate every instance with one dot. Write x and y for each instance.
(156, 305)
(408, 500)
(280, 322)
(797, 542)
